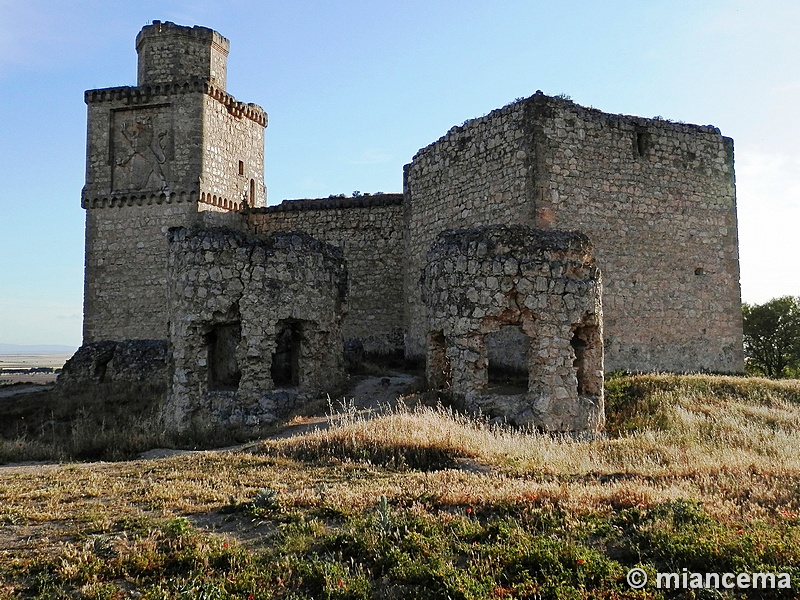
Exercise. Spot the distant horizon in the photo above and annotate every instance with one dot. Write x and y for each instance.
(36, 348)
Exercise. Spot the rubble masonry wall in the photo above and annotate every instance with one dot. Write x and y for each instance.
(231, 297)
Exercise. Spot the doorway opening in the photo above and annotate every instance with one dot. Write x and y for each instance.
(507, 353)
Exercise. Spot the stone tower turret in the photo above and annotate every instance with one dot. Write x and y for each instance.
(170, 53)
(157, 156)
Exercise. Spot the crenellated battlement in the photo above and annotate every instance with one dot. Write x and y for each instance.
(149, 93)
(149, 199)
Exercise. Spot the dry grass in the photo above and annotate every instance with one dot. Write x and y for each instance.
(731, 444)
(699, 435)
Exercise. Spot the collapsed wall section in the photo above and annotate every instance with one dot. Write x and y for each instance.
(656, 198)
(255, 325)
(369, 231)
(539, 292)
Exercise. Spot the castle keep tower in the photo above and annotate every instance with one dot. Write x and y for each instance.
(158, 155)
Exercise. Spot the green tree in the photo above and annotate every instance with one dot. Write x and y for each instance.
(772, 336)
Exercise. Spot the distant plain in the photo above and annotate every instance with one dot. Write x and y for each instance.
(30, 361)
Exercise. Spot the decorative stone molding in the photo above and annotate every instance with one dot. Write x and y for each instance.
(148, 93)
(147, 199)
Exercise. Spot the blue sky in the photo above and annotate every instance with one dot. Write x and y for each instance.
(354, 88)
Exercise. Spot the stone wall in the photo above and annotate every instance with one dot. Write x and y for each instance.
(233, 169)
(475, 175)
(128, 361)
(369, 230)
(656, 198)
(658, 201)
(143, 142)
(125, 285)
(541, 291)
(255, 325)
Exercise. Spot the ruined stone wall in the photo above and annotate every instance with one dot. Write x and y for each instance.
(544, 288)
(128, 361)
(657, 200)
(255, 325)
(369, 230)
(476, 174)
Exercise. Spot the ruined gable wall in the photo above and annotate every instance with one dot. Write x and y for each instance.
(477, 174)
(369, 230)
(655, 220)
(658, 201)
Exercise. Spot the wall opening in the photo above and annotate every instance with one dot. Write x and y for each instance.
(223, 367)
(241, 167)
(439, 373)
(252, 192)
(101, 366)
(285, 368)
(507, 354)
(642, 142)
(587, 346)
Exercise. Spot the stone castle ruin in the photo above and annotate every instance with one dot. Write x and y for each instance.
(486, 269)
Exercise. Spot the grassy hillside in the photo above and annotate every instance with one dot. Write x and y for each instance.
(700, 472)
